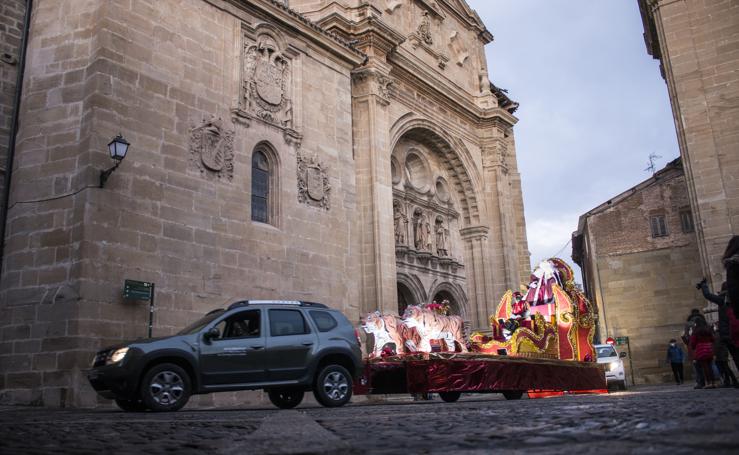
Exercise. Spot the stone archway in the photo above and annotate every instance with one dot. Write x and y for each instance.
(432, 204)
(405, 298)
(442, 296)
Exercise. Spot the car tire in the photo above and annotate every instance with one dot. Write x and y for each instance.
(285, 398)
(333, 386)
(165, 387)
(130, 405)
(622, 385)
(450, 397)
(513, 394)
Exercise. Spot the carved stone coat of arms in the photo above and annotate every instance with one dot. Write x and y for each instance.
(313, 183)
(266, 83)
(211, 149)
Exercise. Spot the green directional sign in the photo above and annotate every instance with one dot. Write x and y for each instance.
(622, 340)
(137, 290)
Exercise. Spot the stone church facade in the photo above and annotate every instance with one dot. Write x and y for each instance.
(352, 152)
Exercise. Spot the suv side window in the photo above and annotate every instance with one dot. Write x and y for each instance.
(287, 322)
(324, 321)
(245, 324)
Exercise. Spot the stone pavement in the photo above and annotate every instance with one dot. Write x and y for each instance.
(659, 419)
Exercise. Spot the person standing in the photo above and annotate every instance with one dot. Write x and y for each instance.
(701, 342)
(722, 363)
(694, 319)
(675, 357)
(725, 317)
(731, 264)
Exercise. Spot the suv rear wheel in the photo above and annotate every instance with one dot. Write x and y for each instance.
(450, 397)
(285, 398)
(333, 386)
(130, 405)
(165, 387)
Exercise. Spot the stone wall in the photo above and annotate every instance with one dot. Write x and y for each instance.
(643, 286)
(698, 46)
(647, 296)
(164, 73)
(12, 14)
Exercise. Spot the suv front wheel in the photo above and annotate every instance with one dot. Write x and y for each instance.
(285, 398)
(165, 387)
(333, 386)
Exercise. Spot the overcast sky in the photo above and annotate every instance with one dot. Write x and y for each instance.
(593, 106)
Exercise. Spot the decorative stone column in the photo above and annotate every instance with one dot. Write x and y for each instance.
(480, 288)
(371, 92)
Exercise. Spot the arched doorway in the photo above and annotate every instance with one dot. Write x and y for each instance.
(405, 298)
(443, 295)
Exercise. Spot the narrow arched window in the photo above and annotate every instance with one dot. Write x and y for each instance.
(260, 186)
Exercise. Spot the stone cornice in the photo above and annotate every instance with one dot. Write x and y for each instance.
(468, 16)
(290, 18)
(452, 97)
(369, 31)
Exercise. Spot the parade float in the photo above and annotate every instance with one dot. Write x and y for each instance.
(540, 341)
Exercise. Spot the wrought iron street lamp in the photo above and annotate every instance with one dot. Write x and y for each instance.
(117, 148)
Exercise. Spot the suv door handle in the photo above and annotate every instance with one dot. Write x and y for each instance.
(307, 343)
(256, 347)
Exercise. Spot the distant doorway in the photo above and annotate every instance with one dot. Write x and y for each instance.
(405, 298)
(453, 304)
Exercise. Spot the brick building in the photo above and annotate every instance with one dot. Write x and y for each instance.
(639, 258)
(352, 152)
(697, 43)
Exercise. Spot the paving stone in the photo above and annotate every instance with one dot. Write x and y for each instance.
(664, 419)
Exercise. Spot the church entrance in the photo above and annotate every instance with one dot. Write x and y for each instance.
(447, 298)
(428, 215)
(405, 298)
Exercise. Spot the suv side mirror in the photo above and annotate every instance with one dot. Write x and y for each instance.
(211, 334)
(622, 354)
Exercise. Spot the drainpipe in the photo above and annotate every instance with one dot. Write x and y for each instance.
(14, 128)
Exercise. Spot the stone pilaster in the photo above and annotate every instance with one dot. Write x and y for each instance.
(371, 89)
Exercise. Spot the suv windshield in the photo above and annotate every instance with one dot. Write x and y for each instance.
(200, 323)
(606, 351)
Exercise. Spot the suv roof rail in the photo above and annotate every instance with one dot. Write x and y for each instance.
(276, 302)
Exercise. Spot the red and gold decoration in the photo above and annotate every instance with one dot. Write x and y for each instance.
(552, 320)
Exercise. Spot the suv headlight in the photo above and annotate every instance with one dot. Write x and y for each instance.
(117, 356)
(613, 366)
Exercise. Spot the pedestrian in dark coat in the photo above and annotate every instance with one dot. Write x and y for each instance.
(731, 263)
(725, 317)
(722, 363)
(675, 357)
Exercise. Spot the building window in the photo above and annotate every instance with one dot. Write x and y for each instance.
(686, 221)
(659, 226)
(260, 187)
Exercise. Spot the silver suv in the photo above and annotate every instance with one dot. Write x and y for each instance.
(283, 347)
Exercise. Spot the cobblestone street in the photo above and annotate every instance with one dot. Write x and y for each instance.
(665, 419)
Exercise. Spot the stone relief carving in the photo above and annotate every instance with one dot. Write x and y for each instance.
(392, 5)
(313, 185)
(211, 149)
(383, 86)
(424, 29)
(423, 38)
(422, 231)
(461, 55)
(442, 239)
(401, 223)
(266, 85)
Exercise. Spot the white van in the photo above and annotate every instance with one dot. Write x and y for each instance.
(615, 370)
